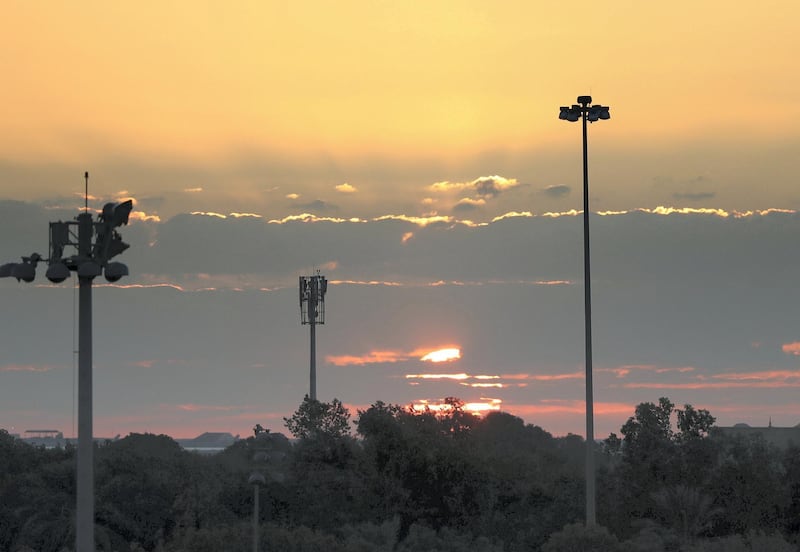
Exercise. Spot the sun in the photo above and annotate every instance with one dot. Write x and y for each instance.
(442, 355)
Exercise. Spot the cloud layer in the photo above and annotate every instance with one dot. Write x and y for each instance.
(689, 303)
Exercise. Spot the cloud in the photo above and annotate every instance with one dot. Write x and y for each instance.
(484, 186)
(447, 186)
(468, 204)
(624, 371)
(346, 188)
(557, 191)
(792, 348)
(193, 190)
(766, 375)
(208, 214)
(372, 357)
(694, 196)
(143, 363)
(26, 368)
(318, 205)
(438, 354)
(144, 217)
(244, 215)
(715, 385)
(292, 196)
(561, 406)
(191, 407)
(491, 186)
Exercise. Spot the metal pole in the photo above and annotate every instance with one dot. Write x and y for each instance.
(255, 518)
(587, 301)
(312, 317)
(84, 538)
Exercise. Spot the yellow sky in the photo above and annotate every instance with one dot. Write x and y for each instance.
(208, 81)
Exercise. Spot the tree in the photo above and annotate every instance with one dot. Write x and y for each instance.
(685, 510)
(314, 418)
(656, 459)
(749, 485)
(694, 424)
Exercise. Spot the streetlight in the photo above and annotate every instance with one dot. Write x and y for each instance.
(90, 259)
(586, 112)
(256, 479)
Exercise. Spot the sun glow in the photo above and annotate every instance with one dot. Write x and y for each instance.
(442, 355)
(438, 376)
(477, 408)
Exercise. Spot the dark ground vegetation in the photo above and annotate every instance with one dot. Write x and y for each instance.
(420, 481)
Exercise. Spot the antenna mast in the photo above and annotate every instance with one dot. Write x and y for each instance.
(312, 312)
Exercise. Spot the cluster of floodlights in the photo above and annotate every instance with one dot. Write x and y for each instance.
(593, 112)
(90, 259)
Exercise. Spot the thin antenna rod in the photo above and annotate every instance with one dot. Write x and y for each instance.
(86, 192)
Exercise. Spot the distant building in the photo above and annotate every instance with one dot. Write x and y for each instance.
(208, 443)
(47, 438)
(53, 438)
(782, 437)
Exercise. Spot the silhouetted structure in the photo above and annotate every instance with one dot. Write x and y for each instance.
(208, 442)
(95, 244)
(312, 312)
(585, 112)
(782, 437)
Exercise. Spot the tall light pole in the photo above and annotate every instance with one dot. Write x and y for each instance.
(591, 113)
(312, 312)
(90, 259)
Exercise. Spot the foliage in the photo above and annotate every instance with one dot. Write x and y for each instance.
(685, 510)
(416, 480)
(314, 418)
(576, 537)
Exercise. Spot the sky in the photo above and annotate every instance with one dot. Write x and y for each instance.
(413, 155)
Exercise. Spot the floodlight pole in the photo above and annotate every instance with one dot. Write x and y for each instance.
(91, 259)
(85, 478)
(583, 111)
(587, 305)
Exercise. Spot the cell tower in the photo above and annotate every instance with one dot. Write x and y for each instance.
(312, 312)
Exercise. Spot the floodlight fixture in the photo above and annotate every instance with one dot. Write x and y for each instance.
(59, 239)
(89, 269)
(7, 269)
(25, 272)
(57, 272)
(256, 478)
(591, 113)
(114, 271)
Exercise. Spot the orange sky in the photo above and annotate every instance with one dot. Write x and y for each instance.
(205, 81)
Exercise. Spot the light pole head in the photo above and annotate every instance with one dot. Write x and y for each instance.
(24, 272)
(256, 478)
(114, 271)
(7, 269)
(57, 272)
(597, 112)
(89, 269)
(584, 100)
(571, 114)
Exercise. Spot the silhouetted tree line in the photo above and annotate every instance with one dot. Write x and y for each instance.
(422, 481)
